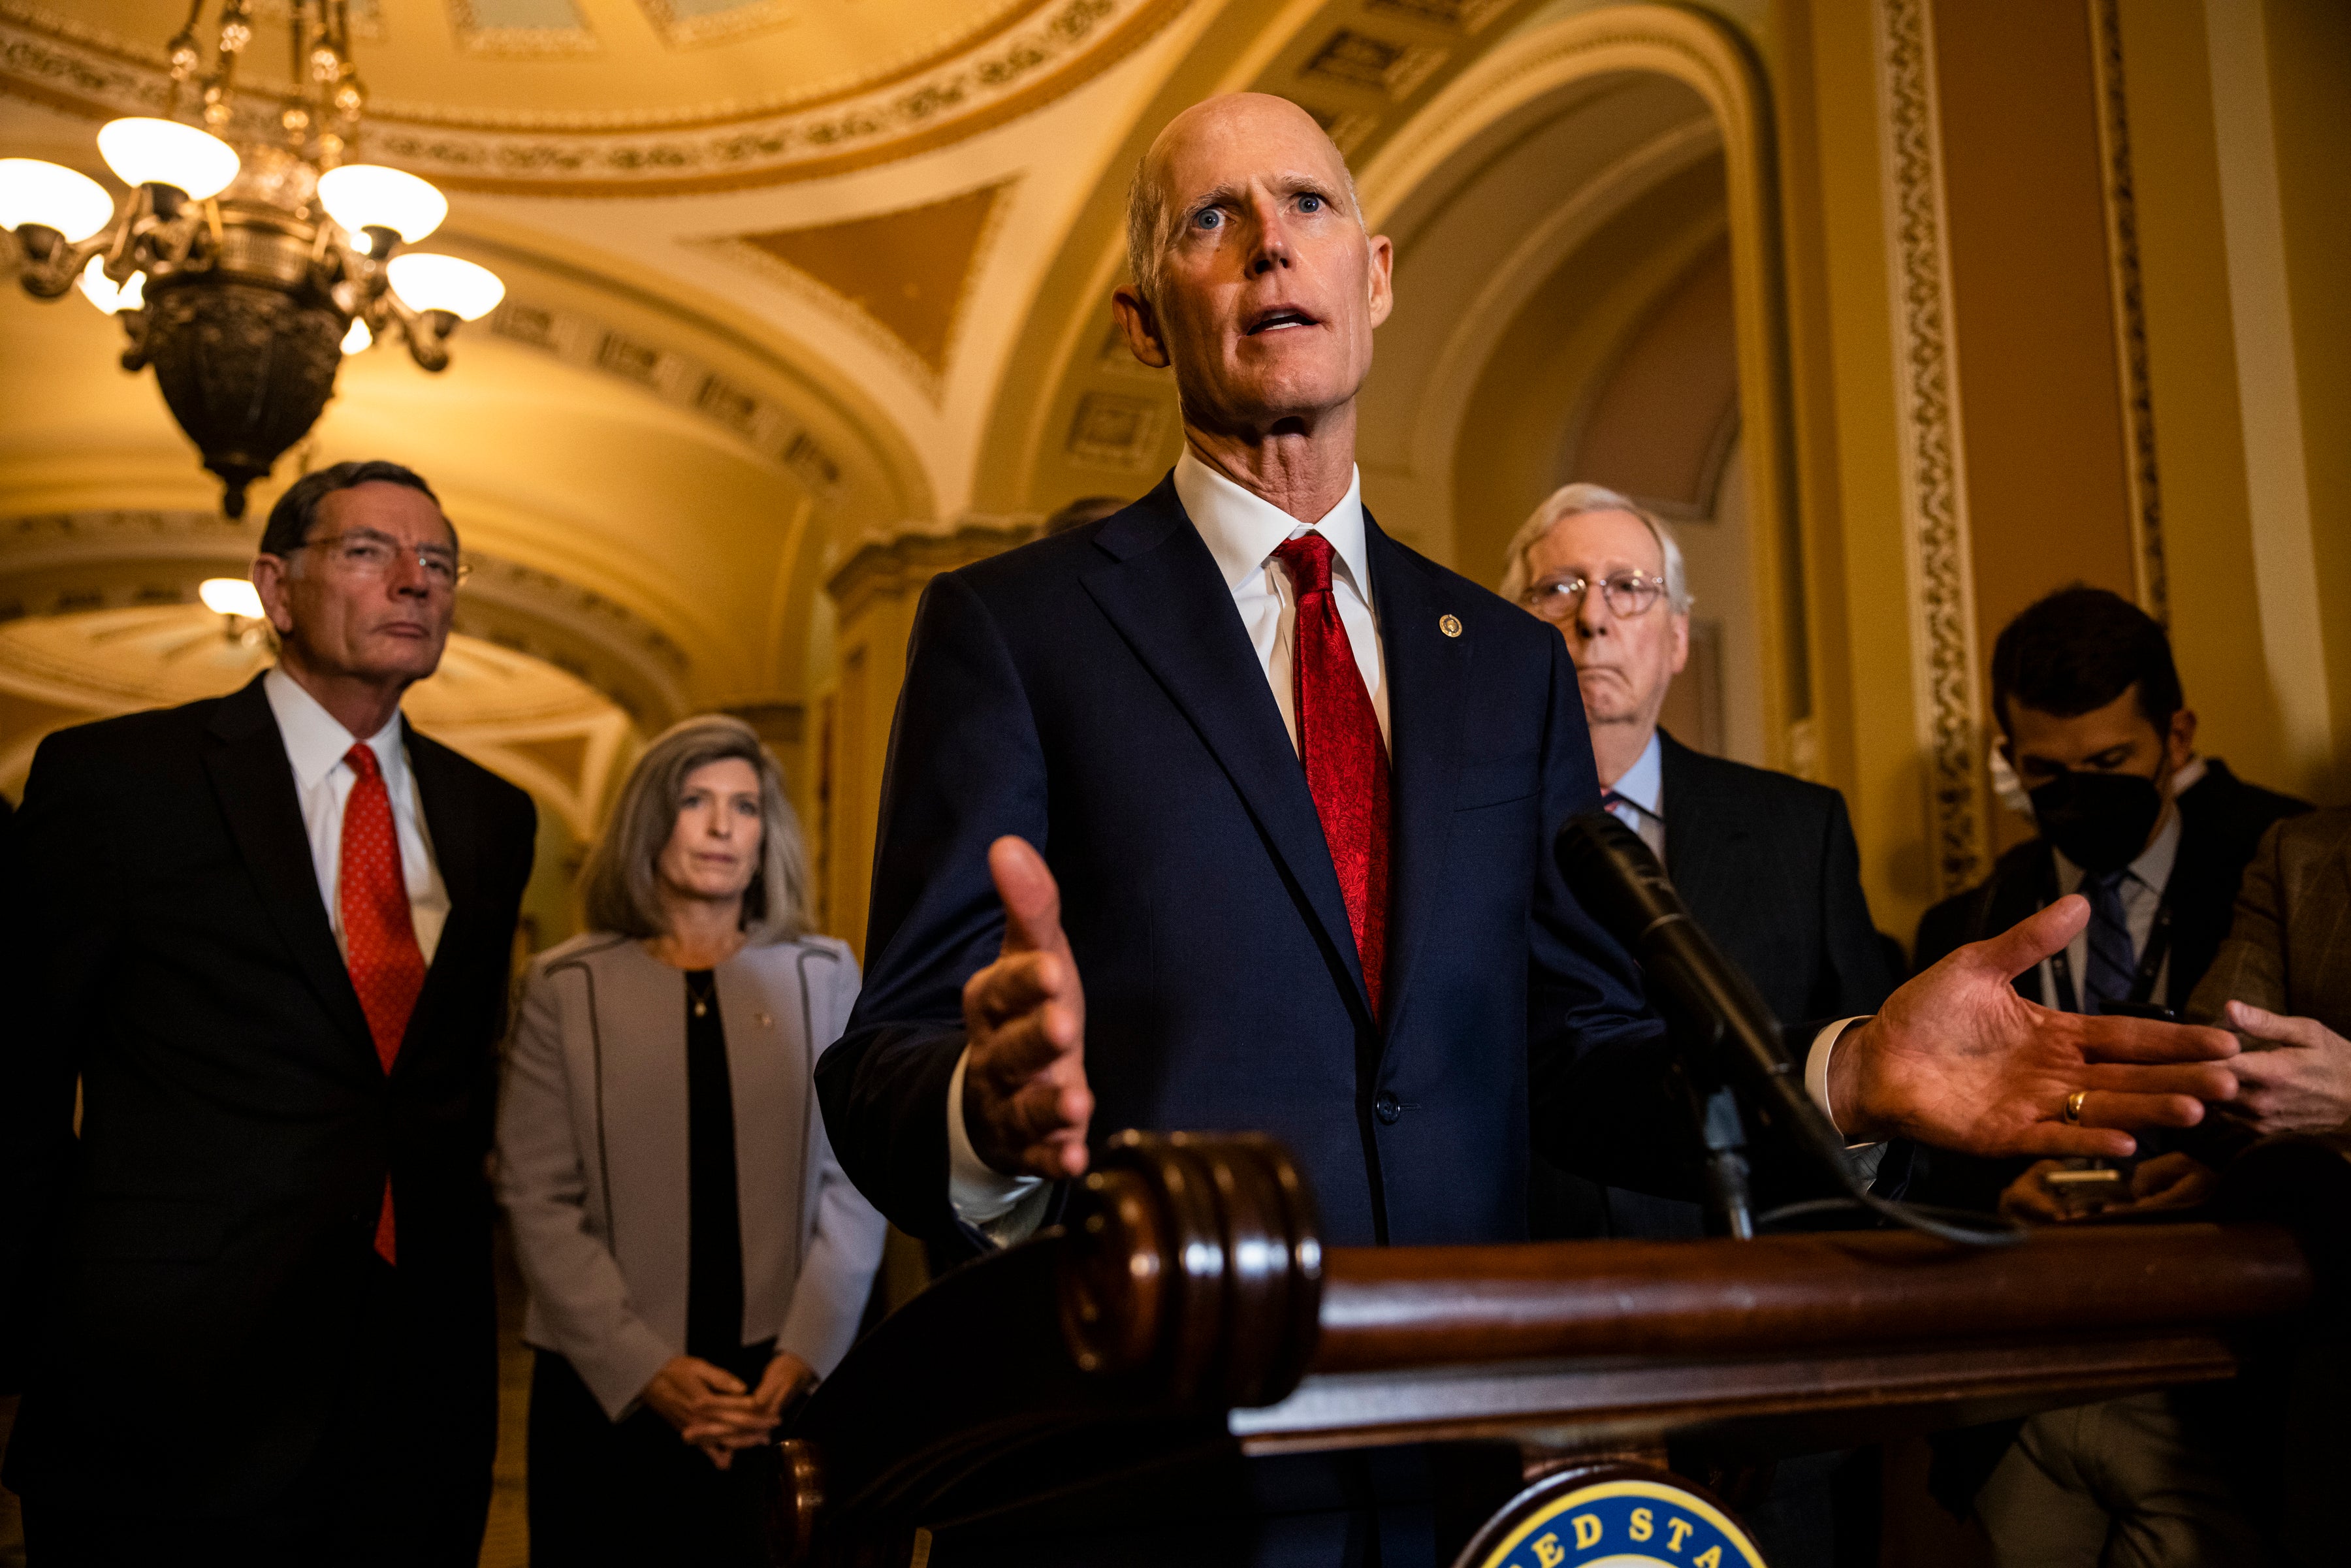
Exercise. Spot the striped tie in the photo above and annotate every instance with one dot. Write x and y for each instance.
(2111, 960)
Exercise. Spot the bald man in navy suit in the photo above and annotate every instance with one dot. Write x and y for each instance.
(1282, 793)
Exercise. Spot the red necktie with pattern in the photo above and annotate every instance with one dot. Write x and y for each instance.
(1339, 742)
(379, 938)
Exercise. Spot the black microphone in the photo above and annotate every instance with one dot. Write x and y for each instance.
(1723, 1030)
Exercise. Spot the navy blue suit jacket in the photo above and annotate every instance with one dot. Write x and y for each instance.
(1096, 693)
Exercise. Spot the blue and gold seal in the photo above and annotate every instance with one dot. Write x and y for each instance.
(1625, 1522)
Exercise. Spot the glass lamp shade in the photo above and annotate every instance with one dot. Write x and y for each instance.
(365, 195)
(425, 282)
(356, 341)
(53, 196)
(230, 596)
(165, 152)
(100, 291)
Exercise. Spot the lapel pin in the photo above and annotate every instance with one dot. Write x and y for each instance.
(1450, 625)
(764, 1020)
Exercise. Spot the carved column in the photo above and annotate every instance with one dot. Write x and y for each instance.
(874, 592)
(1934, 479)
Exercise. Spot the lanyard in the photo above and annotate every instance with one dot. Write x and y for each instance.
(2150, 963)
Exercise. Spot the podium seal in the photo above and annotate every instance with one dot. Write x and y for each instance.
(1617, 1518)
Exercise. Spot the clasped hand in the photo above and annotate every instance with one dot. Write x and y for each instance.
(711, 1408)
(1956, 1059)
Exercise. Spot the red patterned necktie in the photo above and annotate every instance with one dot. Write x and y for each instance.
(379, 938)
(1339, 742)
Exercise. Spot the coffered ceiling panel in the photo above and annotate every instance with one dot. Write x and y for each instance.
(906, 274)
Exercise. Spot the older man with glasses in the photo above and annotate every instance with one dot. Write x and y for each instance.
(1766, 863)
(267, 935)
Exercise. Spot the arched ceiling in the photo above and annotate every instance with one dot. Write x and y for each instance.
(782, 274)
(609, 96)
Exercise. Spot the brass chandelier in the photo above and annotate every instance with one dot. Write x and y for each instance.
(248, 259)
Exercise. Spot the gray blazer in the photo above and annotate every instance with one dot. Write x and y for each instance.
(592, 1160)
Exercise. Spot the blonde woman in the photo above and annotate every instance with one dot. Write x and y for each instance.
(694, 1255)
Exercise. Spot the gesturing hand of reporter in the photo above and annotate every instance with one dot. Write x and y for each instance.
(1956, 1059)
(1026, 1104)
(2297, 1077)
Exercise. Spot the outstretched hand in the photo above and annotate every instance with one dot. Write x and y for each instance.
(1026, 1104)
(1957, 1060)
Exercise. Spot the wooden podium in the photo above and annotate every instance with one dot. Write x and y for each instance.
(1190, 1322)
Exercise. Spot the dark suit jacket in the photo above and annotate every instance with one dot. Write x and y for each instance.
(1096, 692)
(1768, 866)
(189, 1264)
(2289, 948)
(2221, 819)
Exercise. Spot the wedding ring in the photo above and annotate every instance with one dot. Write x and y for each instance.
(2073, 1105)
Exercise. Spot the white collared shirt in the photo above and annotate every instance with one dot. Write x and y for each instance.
(315, 742)
(1640, 797)
(1241, 530)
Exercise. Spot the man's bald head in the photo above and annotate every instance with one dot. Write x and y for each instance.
(1150, 211)
(1258, 283)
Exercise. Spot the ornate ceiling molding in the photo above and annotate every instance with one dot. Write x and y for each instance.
(1058, 47)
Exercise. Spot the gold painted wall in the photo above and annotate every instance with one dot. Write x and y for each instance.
(2032, 301)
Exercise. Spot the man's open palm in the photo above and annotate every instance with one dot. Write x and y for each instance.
(1025, 1100)
(1956, 1059)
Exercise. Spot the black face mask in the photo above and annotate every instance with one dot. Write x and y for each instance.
(2100, 821)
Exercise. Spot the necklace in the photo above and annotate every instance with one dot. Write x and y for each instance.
(701, 991)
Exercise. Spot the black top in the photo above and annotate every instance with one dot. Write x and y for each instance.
(713, 1287)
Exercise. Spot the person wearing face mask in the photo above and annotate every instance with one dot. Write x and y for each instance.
(2095, 727)
(2094, 724)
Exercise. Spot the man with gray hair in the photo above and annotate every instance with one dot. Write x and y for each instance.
(1766, 863)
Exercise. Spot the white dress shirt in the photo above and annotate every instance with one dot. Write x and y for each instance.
(316, 741)
(1640, 796)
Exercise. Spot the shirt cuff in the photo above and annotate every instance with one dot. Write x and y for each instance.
(1816, 1071)
(979, 1193)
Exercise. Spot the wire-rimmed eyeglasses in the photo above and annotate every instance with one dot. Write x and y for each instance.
(363, 552)
(1626, 594)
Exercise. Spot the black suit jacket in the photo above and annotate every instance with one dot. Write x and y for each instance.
(2221, 821)
(1768, 866)
(189, 1264)
(1096, 692)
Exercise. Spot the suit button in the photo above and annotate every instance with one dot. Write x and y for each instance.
(1386, 1109)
